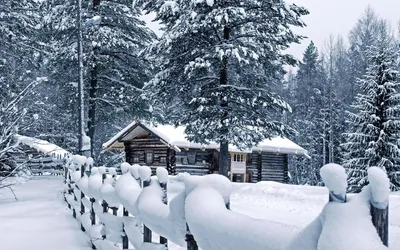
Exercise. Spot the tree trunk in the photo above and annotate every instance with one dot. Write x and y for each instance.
(93, 90)
(224, 152)
(92, 103)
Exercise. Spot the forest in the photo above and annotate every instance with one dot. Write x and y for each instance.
(220, 68)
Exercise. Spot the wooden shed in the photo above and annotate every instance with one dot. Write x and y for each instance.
(40, 156)
(167, 146)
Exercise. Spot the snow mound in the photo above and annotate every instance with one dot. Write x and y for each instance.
(144, 173)
(125, 167)
(218, 182)
(217, 228)
(380, 187)
(162, 175)
(335, 178)
(135, 171)
(157, 216)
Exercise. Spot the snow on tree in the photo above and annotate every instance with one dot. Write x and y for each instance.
(13, 118)
(114, 72)
(375, 120)
(218, 62)
(308, 117)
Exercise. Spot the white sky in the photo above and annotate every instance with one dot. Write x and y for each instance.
(333, 17)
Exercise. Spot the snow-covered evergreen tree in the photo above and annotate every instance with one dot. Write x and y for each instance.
(114, 73)
(309, 118)
(219, 60)
(376, 121)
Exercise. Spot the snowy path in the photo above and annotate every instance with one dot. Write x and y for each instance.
(40, 219)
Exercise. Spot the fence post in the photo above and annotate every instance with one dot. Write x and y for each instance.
(83, 166)
(380, 189)
(147, 234)
(162, 175)
(125, 240)
(335, 179)
(191, 242)
(69, 187)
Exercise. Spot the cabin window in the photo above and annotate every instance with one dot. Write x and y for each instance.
(239, 157)
(136, 159)
(191, 157)
(163, 159)
(149, 157)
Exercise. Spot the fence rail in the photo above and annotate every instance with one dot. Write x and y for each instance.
(119, 211)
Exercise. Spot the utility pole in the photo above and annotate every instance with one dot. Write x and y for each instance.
(84, 146)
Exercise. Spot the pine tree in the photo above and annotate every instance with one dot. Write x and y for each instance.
(218, 61)
(373, 142)
(114, 71)
(309, 118)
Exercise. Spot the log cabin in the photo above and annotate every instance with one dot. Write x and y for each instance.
(166, 145)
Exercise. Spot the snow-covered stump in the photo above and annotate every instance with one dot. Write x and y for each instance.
(335, 179)
(145, 176)
(380, 189)
(162, 175)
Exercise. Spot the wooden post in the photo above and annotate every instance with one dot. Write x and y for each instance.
(163, 186)
(147, 234)
(82, 196)
(380, 219)
(125, 240)
(69, 188)
(92, 217)
(173, 162)
(286, 169)
(342, 198)
(259, 167)
(379, 185)
(191, 242)
(168, 167)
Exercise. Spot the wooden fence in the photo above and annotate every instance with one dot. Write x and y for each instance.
(116, 228)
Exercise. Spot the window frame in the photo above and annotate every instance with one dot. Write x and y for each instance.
(191, 155)
(152, 157)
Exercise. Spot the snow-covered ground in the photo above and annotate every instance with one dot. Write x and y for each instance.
(297, 205)
(40, 219)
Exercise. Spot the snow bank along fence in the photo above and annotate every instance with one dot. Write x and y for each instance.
(117, 211)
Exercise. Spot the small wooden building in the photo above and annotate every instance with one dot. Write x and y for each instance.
(39, 156)
(165, 145)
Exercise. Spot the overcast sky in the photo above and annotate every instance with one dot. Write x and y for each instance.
(333, 17)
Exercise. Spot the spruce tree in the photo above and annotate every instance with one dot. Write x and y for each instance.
(309, 116)
(218, 61)
(373, 142)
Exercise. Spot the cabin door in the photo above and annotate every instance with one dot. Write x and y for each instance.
(238, 166)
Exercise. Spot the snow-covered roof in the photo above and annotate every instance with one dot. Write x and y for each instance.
(175, 137)
(43, 146)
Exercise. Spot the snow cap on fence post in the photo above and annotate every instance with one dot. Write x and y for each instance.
(335, 179)
(162, 174)
(144, 173)
(380, 187)
(125, 167)
(90, 161)
(102, 170)
(112, 171)
(135, 171)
